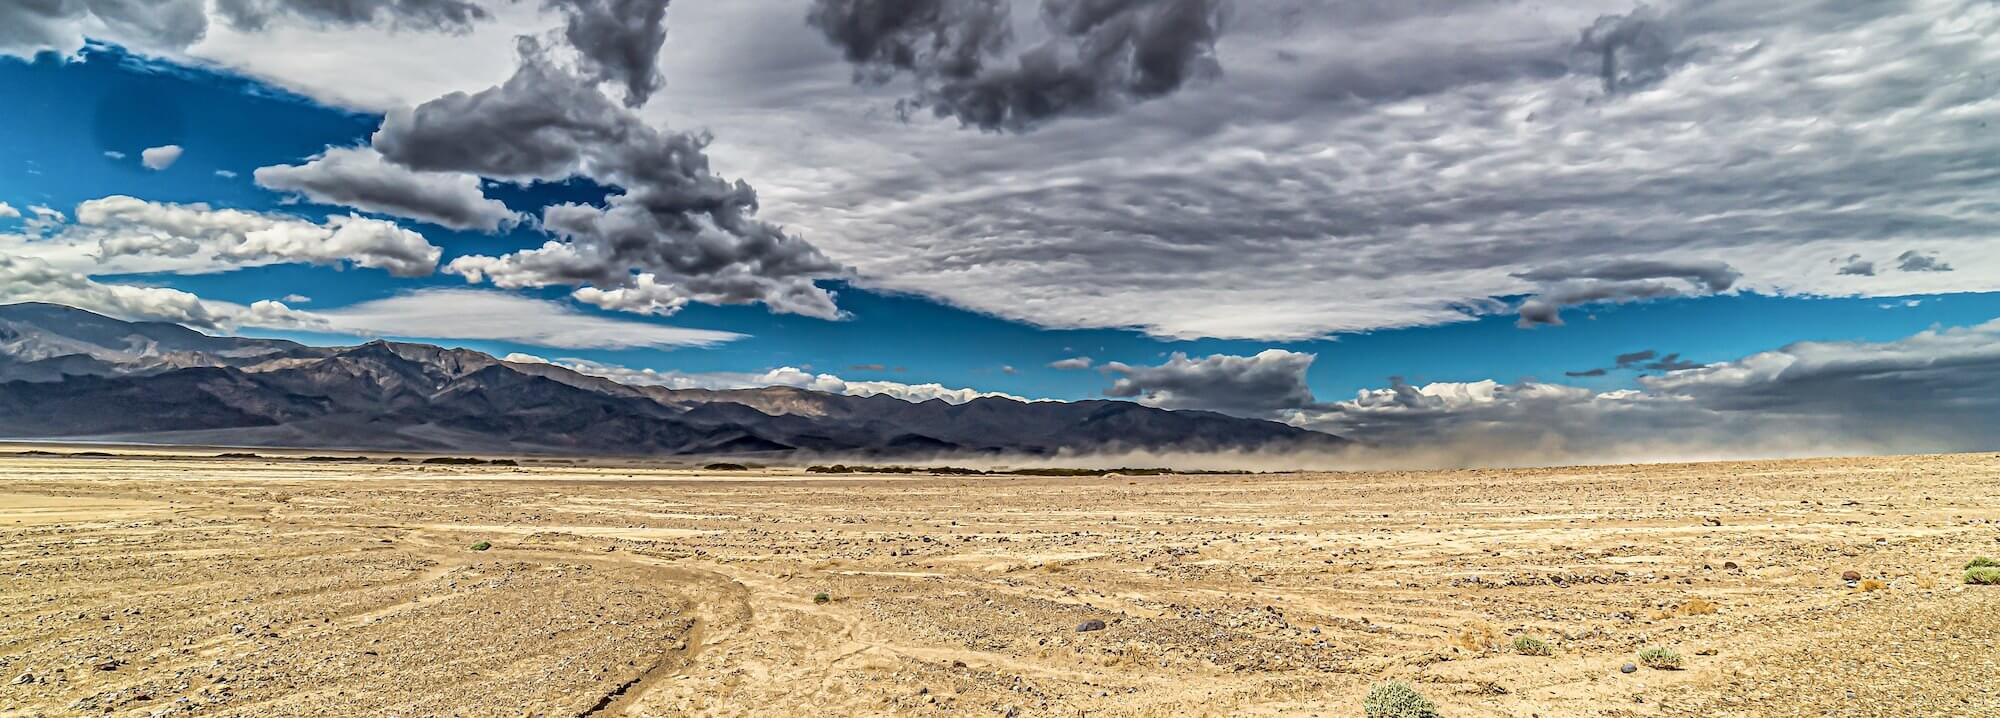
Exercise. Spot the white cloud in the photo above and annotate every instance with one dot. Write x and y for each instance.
(27, 279)
(120, 235)
(114, 154)
(1071, 363)
(359, 178)
(159, 158)
(472, 314)
(225, 174)
(781, 376)
(7, 211)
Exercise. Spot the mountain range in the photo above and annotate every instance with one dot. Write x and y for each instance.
(66, 373)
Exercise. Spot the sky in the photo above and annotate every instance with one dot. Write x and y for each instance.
(1601, 229)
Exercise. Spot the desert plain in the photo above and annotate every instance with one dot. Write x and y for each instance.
(183, 584)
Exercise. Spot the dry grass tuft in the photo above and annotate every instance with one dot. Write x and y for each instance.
(1873, 584)
(1477, 637)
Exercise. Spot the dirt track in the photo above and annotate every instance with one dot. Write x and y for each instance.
(189, 586)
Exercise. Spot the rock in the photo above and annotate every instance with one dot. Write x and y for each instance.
(1729, 565)
(1628, 668)
(1850, 575)
(24, 679)
(1090, 625)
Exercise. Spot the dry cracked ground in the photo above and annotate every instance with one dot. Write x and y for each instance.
(165, 585)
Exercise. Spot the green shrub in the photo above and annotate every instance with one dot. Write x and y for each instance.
(822, 598)
(1397, 699)
(1982, 562)
(482, 546)
(1531, 646)
(1983, 575)
(1663, 659)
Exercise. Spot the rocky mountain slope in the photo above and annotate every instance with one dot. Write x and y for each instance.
(68, 373)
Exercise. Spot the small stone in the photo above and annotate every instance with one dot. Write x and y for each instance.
(1628, 668)
(1090, 625)
(1850, 575)
(24, 679)
(1729, 565)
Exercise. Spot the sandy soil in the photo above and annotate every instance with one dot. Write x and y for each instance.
(165, 586)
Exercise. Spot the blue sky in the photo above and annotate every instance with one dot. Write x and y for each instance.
(1449, 230)
(234, 124)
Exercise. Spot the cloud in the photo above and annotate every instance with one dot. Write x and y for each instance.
(159, 158)
(470, 314)
(1914, 261)
(1072, 363)
(32, 27)
(28, 279)
(1633, 51)
(358, 177)
(196, 237)
(1855, 266)
(781, 376)
(1936, 390)
(868, 367)
(1671, 362)
(7, 211)
(1618, 281)
(1586, 372)
(1260, 385)
(619, 42)
(114, 154)
(676, 233)
(225, 174)
(1100, 55)
(1626, 360)
(448, 15)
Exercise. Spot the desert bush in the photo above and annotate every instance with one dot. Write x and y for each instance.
(1696, 607)
(1659, 658)
(1982, 562)
(1396, 699)
(482, 546)
(725, 466)
(1872, 584)
(1532, 646)
(822, 598)
(1477, 637)
(1983, 575)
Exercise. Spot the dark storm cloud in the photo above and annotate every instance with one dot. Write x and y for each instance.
(1855, 266)
(950, 39)
(619, 41)
(28, 27)
(359, 178)
(1258, 385)
(453, 15)
(1914, 261)
(1619, 281)
(677, 232)
(1671, 362)
(1626, 360)
(1585, 373)
(1632, 51)
(1101, 54)
(1711, 275)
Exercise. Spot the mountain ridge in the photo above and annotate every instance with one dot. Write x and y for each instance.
(66, 373)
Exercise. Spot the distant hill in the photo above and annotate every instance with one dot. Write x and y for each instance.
(69, 373)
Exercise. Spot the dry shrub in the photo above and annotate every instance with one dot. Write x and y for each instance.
(1873, 584)
(1696, 607)
(1477, 637)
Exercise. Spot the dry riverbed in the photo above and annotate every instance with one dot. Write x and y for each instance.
(168, 585)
